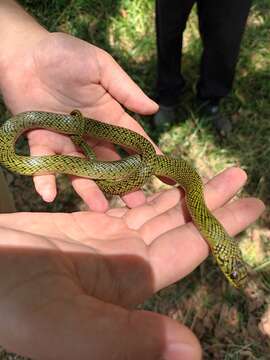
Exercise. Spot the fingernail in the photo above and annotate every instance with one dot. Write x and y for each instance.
(179, 352)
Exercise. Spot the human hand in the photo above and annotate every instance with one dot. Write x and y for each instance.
(57, 72)
(69, 281)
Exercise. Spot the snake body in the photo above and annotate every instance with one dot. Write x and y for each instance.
(122, 176)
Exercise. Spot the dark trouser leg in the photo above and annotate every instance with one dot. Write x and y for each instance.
(171, 17)
(222, 24)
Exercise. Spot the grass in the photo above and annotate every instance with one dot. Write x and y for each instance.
(225, 320)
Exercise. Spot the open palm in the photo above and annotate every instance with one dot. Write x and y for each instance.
(74, 278)
(60, 73)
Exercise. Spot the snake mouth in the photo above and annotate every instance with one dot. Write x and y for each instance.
(243, 279)
(237, 280)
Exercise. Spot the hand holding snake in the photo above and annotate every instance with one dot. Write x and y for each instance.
(87, 78)
(129, 254)
(122, 176)
(106, 89)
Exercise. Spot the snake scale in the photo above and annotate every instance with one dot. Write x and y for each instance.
(122, 176)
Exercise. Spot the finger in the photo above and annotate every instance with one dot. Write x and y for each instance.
(159, 205)
(90, 194)
(116, 81)
(45, 185)
(218, 191)
(238, 215)
(49, 143)
(43, 142)
(134, 199)
(135, 218)
(179, 251)
(224, 186)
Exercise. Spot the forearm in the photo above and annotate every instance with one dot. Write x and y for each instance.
(18, 30)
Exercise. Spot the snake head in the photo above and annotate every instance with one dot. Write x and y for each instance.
(238, 275)
(233, 268)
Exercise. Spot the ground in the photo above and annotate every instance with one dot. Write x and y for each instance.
(230, 324)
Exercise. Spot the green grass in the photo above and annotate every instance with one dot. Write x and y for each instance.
(225, 320)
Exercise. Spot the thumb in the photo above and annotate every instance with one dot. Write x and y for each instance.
(151, 336)
(84, 328)
(121, 87)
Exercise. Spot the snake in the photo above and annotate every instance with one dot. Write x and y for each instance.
(120, 177)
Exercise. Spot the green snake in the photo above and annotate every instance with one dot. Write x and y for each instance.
(122, 176)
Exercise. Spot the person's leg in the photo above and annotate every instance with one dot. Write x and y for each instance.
(171, 17)
(6, 199)
(222, 24)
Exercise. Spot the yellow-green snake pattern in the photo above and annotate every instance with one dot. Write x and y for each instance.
(122, 176)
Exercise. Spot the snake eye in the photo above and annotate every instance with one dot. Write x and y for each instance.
(234, 275)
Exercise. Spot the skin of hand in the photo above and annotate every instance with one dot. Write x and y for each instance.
(69, 282)
(57, 72)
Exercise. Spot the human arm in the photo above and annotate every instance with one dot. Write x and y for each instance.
(74, 279)
(57, 72)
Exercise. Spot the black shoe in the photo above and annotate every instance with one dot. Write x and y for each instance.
(221, 122)
(165, 116)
